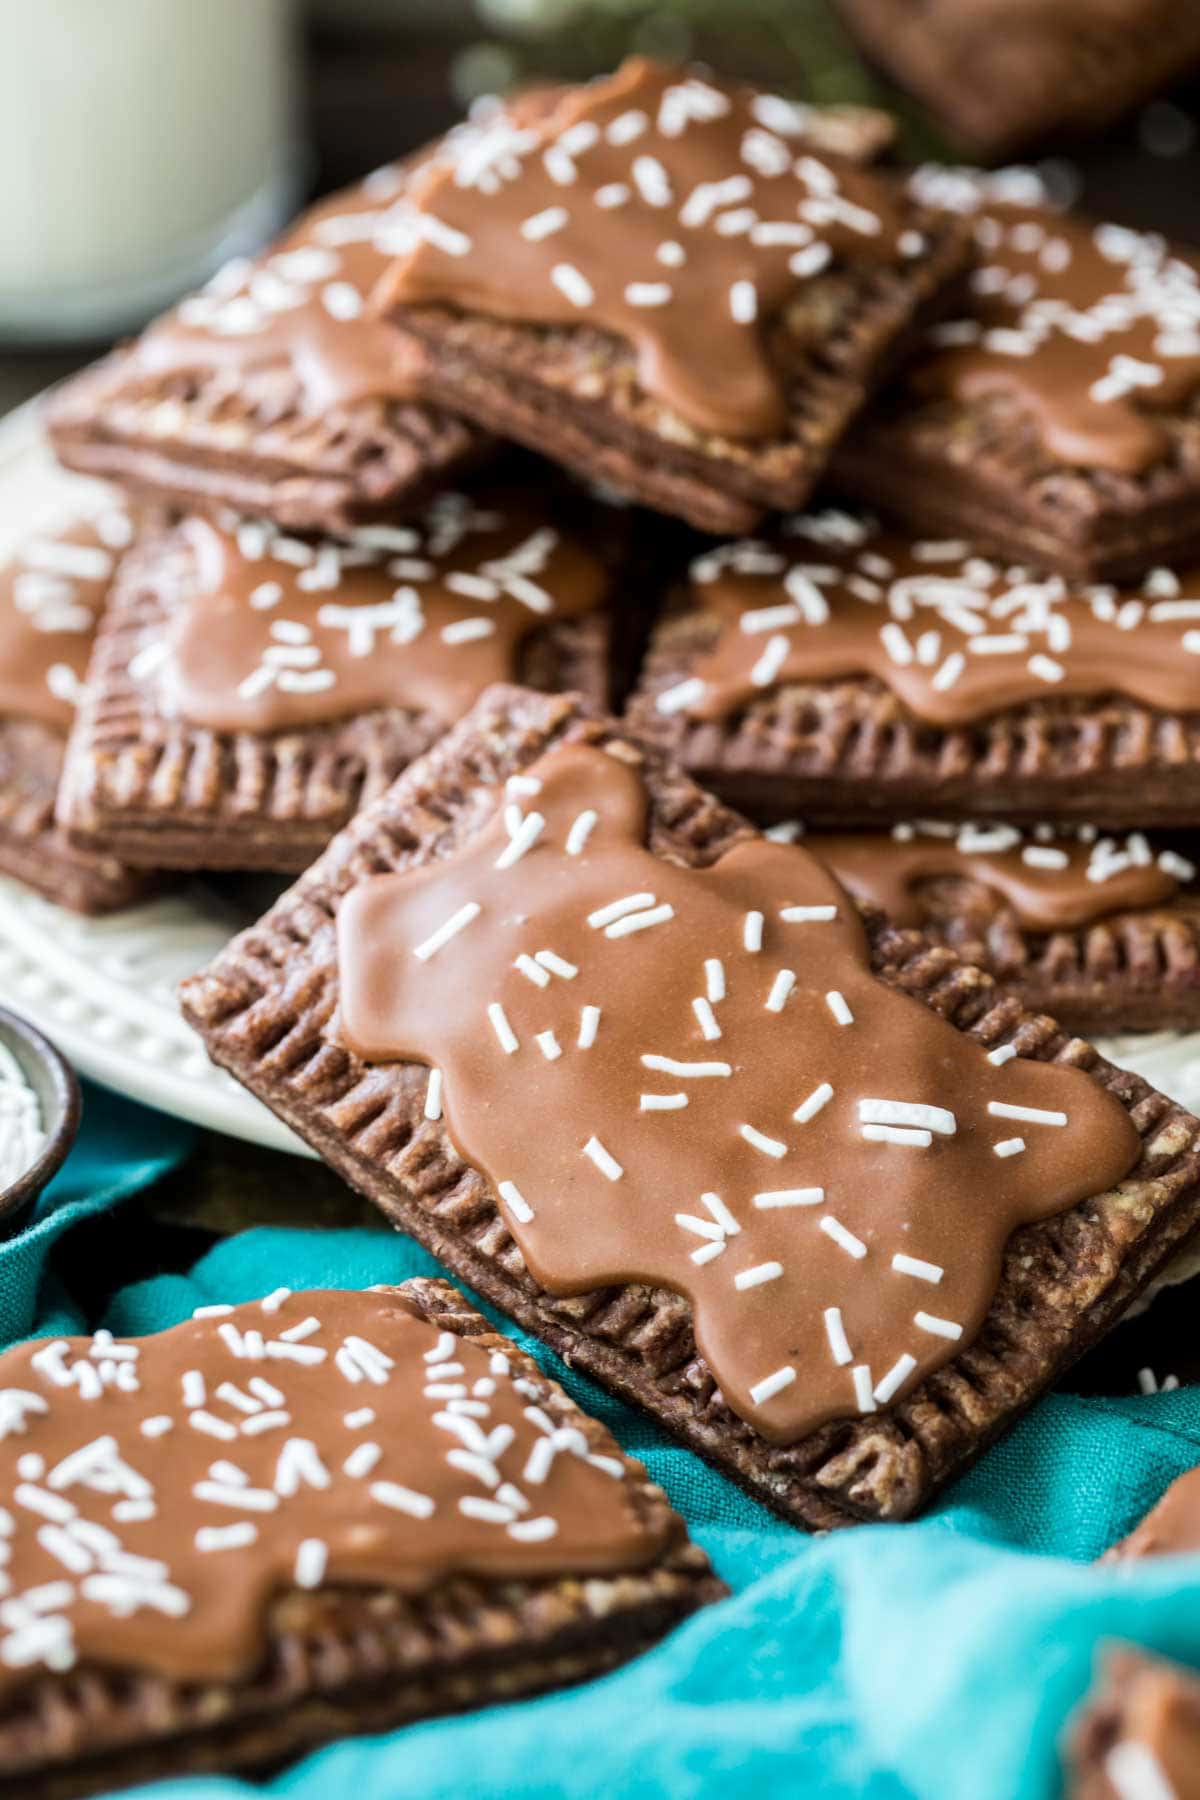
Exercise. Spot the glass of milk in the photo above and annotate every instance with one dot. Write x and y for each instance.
(143, 142)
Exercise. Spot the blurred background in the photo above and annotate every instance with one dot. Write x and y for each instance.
(148, 140)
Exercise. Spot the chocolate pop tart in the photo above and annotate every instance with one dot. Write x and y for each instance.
(667, 284)
(274, 390)
(812, 1192)
(250, 689)
(55, 577)
(848, 674)
(301, 1517)
(1101, 931)
(999, 76)
(1056, 419)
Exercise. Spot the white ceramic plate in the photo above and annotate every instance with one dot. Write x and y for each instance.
(104, 989)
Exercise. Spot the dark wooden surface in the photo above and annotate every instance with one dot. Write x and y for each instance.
(368, 100)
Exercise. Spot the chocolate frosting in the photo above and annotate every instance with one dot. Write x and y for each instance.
(53, 585)
(162, 1491)
(1051, 882)
(681, 213)
(267, 633)
(1168, 1529)
(691, 1078)
(1092, 330)
(954, 636)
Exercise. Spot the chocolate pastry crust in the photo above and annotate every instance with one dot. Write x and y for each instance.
(161, 792)
(345, 1660)
(32, 846)
(848, 753)
(999, 76)
(265, 1009)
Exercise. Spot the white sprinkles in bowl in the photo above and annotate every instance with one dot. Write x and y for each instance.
(22, 1135)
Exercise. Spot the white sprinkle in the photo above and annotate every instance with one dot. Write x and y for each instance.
(1009, 1146)
(701, 1227)
(904, 1112)
(617, 909)
(541, 225)
(1034, 1115)
(638, 921)
(156, 1426)
(714, 978)
(341, 300)
(1001, 1054)
(549, 1045)
(626, 127)
(837, 1005)
(557, 965)
(362, 1459)
(226, 1537)
(938, 1327)
(864, 1388)
(1132, 1770)
(835, 1331)
(266, 595)
(606, 1163)
(895, 1378)
(523, 784)
(752, 931)
(770, 1385)
(897, 1134)
(845, 1240)
(781, 987)
(517, 1204)
(768, 618)
(523, 839)
(572, 284)
(667, 1065)
(581, 830)
(706, 1252)
(949, 672)
(721, 1214)
(671, 254)
(690, 692)
(312, 1555)
(503, 1030)
(648, 293)
(806, 915)
(272, 1302)
(808, 1109)
(766, 669)
(533, 1531)
(466, 631)
(743, 302)
(896, 644)
(810, 261)
(706, 1018)
(1040, 856)
(662, 1102)
(776, 1197)
(652, 181)
(759, 1141)
(433, 1095)
(613, 193)
(365, 1415)
(450, 929)
(755, 1277)
(1045, 668)
(589, 1020)
(213, 1427)
(532, 970)
(913, 1265)
(194, 1391)
(401, 1499)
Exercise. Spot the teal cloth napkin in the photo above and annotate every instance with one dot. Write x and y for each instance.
(931, 1660)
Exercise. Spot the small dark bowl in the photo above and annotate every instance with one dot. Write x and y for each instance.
(53, 1080)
